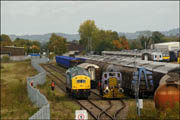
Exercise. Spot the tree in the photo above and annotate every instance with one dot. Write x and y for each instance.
(157, 37)
(172, 39)
(29, 46)
(117, 45)
(135, 44)
(124, 42)
(86, 31)
(57, 44)
(145, 41)
(103, 40)
(5, 40)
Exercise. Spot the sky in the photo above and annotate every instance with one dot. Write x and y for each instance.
(41, 17)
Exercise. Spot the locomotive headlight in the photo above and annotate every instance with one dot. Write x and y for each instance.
(107, 87)
(121, 90)
(106, 91)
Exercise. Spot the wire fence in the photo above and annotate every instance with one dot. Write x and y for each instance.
(35, 96)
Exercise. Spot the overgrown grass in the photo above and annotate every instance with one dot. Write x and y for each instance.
(150, 112)
(15, 103)
(61, 106)
(5, 59)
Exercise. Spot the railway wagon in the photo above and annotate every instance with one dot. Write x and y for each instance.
(78, 82)
(153, 56)
(67, 61)
(129, 78)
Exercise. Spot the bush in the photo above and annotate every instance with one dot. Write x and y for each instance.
(51, 56)
(5, 59)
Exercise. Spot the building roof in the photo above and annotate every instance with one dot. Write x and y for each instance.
(169, 43)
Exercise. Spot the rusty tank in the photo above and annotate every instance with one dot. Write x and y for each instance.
(167, 95)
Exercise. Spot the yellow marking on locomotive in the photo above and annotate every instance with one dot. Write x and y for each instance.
(77, 84)
(112, 82)
(166, 57)
(113, 93)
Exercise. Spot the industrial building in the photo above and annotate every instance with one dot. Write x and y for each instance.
(12, 51)
(170, 46)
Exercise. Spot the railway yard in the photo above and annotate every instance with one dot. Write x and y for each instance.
(110, 109)
(102, 103)
(101, 108)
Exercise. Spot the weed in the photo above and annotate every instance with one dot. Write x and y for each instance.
(15, 103)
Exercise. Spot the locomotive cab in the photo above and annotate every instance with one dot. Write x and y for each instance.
(78, 82)
(111, 85)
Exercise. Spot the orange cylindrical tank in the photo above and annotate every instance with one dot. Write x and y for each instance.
(167, 95)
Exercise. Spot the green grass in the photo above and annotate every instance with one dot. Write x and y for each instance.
(61, 106)
(15, 103)
(150, 112)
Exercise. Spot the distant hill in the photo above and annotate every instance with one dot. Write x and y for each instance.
(45, 37)
(70, 37)
(172, 32)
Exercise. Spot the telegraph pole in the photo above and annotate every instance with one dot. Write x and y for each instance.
(137, 87)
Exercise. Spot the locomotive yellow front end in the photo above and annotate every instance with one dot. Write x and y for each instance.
(78, 82)
(81, 86)
(81, 82)
(112, 85)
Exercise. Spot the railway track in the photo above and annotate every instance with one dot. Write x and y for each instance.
(93, 109)
(119, 110)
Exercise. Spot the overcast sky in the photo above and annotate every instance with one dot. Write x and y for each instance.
(47, 17)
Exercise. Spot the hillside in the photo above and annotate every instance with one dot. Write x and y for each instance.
(70, 37)
(45, 37)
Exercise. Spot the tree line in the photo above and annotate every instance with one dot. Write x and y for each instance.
(56, 44)
(98, 40)
(29, 45)
(145, 41)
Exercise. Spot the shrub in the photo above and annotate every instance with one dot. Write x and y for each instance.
(51, 56)
(5, 59)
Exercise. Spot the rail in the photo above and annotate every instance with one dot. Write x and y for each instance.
(98, 111)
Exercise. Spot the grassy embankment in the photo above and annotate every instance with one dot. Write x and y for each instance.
(61, 106)
(150, 112)
(15, 103)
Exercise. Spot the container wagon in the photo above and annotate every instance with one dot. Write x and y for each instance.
(67, 61)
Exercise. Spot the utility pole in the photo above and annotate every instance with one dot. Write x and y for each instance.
(137, 86)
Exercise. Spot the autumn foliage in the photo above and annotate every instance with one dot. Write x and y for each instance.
(122, 43)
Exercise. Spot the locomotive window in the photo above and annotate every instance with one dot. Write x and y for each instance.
(118, 74)
(111, 74)
(105, 75)
(155, 56)
(105, 82)
(81, 81)
(160, 56)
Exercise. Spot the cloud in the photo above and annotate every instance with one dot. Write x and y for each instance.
(40, 17)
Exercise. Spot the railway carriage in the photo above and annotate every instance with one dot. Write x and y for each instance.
(153, 56)
(94, 71)
(78, 82)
